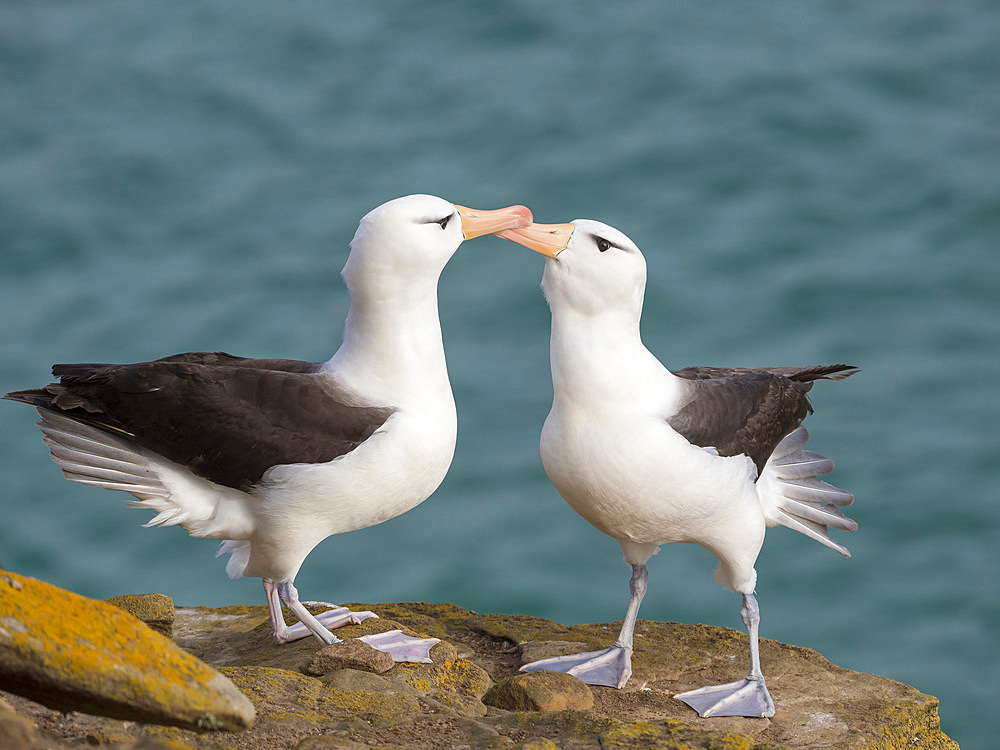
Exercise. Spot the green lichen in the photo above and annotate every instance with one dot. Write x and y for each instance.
(156, 610)
(454, 675)
(209, 723)
(671, 735)
(438, 705)
(905, 725)
(282, 695)
(554, 724)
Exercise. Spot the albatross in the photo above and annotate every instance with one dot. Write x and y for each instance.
(707, 455)
(272, 455)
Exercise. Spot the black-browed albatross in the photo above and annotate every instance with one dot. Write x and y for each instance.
(705, 454)
(274, 455)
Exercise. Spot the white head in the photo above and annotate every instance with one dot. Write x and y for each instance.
(591, 267)
(412, 238)
(392, 336)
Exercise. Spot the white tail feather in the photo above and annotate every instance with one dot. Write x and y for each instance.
(814, 490)
(68, 458)
(239, 556)
(791, 495)
(801, 465)
(97, 458)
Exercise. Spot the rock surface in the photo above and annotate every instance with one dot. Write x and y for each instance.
(440, 705)
(540, 691)
(68, 652)
(156, 610)
(16, 732)
(349, 654)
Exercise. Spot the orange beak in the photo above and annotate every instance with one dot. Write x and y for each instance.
(547, 239)
(476, 223)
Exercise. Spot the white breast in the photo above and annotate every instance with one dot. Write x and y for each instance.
(636, 479)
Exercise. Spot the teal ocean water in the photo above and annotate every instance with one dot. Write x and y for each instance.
(810, 183)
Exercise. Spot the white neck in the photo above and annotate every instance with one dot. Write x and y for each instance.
(600, 360)
(392, 344)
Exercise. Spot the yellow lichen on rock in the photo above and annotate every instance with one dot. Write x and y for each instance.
(456, 683)
(540, 691)
(73, 653)
(671, 735)
(908, 724)
(286, 696)
(430, 706)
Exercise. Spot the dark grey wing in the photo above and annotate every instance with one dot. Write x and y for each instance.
(800, 374)
(221, 359)
(227, 423)
(740, 411)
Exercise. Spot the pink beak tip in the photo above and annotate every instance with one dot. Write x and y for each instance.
(525, 213)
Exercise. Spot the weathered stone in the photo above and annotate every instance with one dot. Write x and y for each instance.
(540, 691)
(350, 654)
(156, 610)
(292, 698)
(330, 742)
(538, 650)
(353, 680)
(171, 738)
(455, 683)
(431, 706)
(356, 679)
(16, 732)
(583, 728)
(101, 738)
(539, 743)
(671, 735)
(72, 653)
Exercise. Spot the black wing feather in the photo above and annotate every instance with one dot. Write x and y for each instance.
(747, 410)
(228, 419)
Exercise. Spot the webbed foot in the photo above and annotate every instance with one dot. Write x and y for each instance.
(402, 647)
(746, 697)
(611, 667)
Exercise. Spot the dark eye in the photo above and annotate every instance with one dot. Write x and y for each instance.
(444, 222)
(602, 244)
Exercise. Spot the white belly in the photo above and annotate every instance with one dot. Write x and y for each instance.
(637, 480)
(392, 472)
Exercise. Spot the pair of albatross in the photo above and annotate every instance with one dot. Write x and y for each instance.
(273, 456)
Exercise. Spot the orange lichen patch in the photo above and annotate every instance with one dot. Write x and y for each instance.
(73, 653)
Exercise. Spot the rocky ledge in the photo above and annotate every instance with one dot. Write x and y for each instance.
(309, 698)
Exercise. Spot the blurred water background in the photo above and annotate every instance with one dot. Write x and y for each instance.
(810, 183)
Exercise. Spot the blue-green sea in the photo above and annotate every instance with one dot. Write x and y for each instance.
(810, 183)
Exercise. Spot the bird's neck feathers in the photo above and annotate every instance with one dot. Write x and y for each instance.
(600, 360)
(392, 336)
(586, 322)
